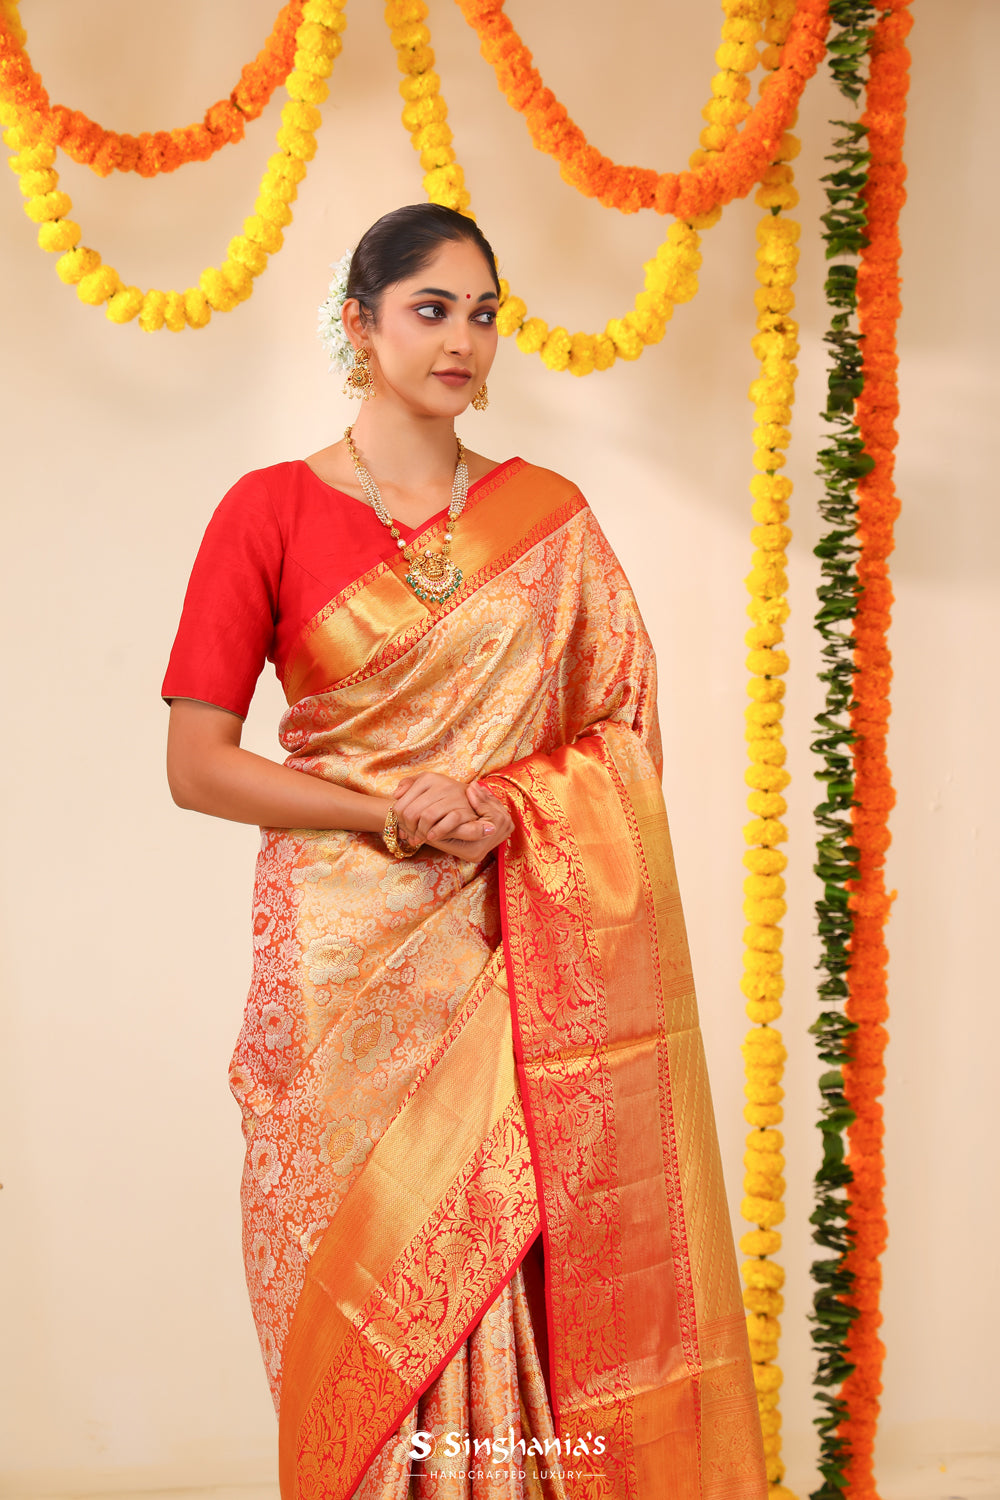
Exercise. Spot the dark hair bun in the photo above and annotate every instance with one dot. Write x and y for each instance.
(398, 244)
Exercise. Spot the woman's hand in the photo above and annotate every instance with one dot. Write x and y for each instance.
(431, 806)
(496, 823)
(464, 821)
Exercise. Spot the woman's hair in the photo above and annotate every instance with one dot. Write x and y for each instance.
(398, 244)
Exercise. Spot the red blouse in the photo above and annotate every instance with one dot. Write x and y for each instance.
(279, 547)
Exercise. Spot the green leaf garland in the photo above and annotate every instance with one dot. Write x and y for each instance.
(842, 462)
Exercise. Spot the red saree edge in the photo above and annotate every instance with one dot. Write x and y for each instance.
(529, 1123)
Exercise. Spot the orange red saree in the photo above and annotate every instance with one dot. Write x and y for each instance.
(444, 1066)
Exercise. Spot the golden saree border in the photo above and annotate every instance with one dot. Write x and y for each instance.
(731, 1442)
(379, 617)
(601, 992)
(426, 1239)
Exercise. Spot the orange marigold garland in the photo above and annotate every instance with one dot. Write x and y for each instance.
(670, 275)
(219, 288)
(735, 167)
(773, 393)
(151, 152)
(867, 1006)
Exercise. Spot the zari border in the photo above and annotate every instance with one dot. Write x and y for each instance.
(378, 618)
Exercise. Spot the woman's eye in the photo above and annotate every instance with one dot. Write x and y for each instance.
(431, 310)
(487, 316)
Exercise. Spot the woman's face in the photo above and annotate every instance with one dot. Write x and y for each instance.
(435, 337)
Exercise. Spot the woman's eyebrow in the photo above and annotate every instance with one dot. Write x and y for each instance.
(436, 291)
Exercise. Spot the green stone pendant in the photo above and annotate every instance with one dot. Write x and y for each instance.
(433, 577)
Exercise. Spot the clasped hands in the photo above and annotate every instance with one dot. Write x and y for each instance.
(466, 821)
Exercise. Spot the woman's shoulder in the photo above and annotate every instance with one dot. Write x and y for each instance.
(275, 484)
(272, 497)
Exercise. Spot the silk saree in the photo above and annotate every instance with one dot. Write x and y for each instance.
(485, 1230)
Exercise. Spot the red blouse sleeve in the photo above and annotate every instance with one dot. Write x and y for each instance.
(227, 624)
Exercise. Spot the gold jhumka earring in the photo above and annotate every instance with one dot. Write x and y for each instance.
(481, 399)
(360, 382)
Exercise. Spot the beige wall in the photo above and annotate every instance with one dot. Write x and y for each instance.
(130, 1357)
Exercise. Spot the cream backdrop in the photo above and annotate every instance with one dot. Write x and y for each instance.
(130, 1359)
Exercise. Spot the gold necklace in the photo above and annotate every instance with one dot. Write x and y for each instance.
(431, 575)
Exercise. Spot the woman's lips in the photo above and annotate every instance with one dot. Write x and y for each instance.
(452, 377)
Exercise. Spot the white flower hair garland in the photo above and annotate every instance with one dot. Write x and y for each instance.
(331, 326)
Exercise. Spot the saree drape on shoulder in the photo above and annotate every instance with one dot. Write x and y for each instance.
(441, 1063)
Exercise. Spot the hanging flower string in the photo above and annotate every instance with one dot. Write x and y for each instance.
(220, 288)
(10, 17)
(425, 113)
(773, 392)
(670, 276)
(735, 167)
(151, 152)
(878, 506)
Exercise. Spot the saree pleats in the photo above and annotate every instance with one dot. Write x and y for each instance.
(477, 1420)
(440, 1061)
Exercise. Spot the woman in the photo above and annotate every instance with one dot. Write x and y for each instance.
(485, 1231)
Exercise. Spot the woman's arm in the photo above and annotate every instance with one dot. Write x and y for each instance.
(208, 771)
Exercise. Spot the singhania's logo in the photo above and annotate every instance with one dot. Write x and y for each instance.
(503, 1450)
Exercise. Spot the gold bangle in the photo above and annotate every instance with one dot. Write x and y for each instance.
(391, 839)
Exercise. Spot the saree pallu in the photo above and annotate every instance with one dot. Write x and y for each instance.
(447, 1068)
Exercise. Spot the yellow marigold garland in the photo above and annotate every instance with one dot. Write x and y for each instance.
(772, 393)
(671, 275)
(220, 288)
(425, 113)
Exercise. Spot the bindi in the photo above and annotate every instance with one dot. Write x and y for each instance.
(468, 296)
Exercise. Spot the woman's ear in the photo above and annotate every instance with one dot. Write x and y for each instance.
(354, 325)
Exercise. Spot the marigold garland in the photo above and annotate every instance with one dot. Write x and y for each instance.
(670, 276)
(151, 152)
(878, 506)
(773, 392)
(318, 41)
(9, 14)
(425, 113)
(738, 159)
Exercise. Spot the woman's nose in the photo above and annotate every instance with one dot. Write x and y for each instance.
(458, 340)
